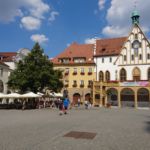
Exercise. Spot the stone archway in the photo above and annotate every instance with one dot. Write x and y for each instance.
(88, 97)
(143, 97)
(127, 97)
(76, 96)
(112, 96)
(1, 86)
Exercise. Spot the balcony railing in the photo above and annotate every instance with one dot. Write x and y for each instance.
(81, 85)
(74, 73)
(74, 85)
(89, 73)
(66, 73)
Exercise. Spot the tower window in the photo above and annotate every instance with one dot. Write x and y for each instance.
(140, 57)
(132, 57)
(125, 57)
(102, 60)
(110, 59)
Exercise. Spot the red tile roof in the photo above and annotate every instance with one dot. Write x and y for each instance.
(105, 47)
(76, 50)
(7, 56)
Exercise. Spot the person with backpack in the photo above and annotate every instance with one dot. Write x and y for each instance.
(66, 103)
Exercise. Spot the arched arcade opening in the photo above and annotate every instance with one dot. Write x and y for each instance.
(127, 97)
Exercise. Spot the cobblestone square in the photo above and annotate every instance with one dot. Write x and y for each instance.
(44, 129)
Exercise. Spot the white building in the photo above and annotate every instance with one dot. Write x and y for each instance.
(123, 69)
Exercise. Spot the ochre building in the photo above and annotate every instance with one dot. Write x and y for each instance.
(77, 64)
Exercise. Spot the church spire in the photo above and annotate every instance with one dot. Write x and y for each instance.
(135, 16)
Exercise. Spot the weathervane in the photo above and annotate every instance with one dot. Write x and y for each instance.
(135, 4)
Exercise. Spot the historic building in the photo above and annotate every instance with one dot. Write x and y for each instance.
(123, 69)
(77, 64)
(4, 73)
(8, 64)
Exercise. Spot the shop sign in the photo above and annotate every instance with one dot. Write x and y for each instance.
(141, 83)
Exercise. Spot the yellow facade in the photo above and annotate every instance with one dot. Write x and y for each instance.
(81, 74)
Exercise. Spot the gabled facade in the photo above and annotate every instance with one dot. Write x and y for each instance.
(123, 69)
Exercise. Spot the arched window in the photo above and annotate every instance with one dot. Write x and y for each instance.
(123, 75)
(107, 76)
(136, 74)
(101, 76)
(148, 74)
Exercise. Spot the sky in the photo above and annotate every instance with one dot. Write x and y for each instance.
(55, 24)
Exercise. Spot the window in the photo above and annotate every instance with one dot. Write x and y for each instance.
(148, 74)
(110, 59)
(132, 57)
(101, 76)
(102, 60)
(136, 74)
(81, 83)
(75, 71)
(74, 83)
(123, 75)
(90, 71)
(1, 72)
(107, 76)
(136, 36)
(140, 56)
(89, 83)
(125, 57)
(148, 56)
(66, 71)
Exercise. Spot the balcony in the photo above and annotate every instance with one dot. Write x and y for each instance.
(82, 73)
(66, 85)
(89, 73)
(81, 85)
(74, 73)
(66, 73)
(89, 86)
(74, 85)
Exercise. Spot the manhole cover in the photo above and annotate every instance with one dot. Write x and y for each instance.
(80, 135)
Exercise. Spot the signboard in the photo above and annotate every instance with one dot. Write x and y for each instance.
(141, 83)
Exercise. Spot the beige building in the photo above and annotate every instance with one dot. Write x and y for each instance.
(123, 69)
(77, 64)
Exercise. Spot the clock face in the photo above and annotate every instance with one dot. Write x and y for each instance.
(136, 44)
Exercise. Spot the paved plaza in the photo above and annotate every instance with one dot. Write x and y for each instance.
(44, 129)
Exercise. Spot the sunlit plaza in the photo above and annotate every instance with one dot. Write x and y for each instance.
(44, 129)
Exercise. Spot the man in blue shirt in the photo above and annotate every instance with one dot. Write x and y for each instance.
(66, 105)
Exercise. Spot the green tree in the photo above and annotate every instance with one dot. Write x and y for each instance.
(35, 72)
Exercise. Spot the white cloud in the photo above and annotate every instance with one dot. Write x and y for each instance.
(41, 38)
(101, 4)
(31, 12)
(119, 17)
(53, 16)
(30, 23)
(90, 40)
(11, 9)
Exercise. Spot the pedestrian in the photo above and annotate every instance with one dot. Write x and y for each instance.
(86, 104)
(79, 102)
(66, 104)
(60, 106)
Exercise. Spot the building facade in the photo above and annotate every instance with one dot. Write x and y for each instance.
(4, 73)
(77, 64)
(123, 69)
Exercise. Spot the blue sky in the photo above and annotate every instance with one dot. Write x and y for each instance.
(58, 23)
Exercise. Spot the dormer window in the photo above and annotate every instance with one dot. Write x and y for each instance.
(79, 60)
(103, 49)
